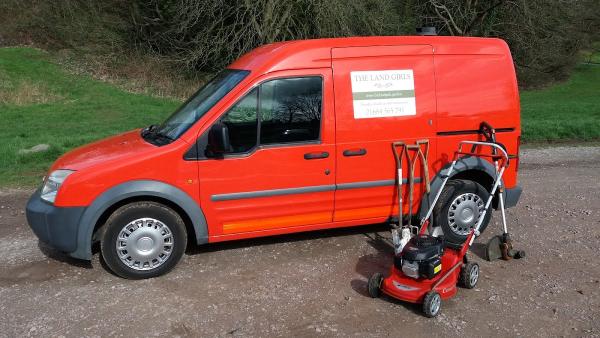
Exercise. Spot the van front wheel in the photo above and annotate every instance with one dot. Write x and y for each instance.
(459, 208)
(143, 240)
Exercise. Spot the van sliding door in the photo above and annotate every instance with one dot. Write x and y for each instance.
(382, 94)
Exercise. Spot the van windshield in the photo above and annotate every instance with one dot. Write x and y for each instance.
(195, 107)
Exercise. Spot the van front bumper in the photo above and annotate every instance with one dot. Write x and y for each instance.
(55, 226)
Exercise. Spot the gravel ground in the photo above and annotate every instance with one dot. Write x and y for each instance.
(314, 284)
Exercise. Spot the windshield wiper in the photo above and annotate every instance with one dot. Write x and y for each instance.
(149, 129)
(156, 136)
(160, 134)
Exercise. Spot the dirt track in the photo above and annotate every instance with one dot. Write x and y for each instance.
(314, 284)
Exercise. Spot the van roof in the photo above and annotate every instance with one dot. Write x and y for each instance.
(316, 53)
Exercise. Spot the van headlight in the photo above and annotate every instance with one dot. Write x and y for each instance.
(53, 183)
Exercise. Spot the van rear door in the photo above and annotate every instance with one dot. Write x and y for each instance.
(382, 94)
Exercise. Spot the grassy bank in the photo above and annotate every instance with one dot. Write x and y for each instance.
(568, 111)
(40, 103)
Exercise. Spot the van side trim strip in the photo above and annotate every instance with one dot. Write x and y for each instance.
(269, 193)
(366, 184)
(303, 190)
(372, 184)
(474, 131)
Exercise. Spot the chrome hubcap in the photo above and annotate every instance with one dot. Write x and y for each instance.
(144, 244)
(464, 212)
(474, 275)
(435, 304)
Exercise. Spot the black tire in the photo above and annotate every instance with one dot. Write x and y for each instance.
(168, 250)
(469, 275)
(374, 285)
(432, 304)
(453, 190)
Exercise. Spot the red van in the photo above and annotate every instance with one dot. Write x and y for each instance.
(294, 136)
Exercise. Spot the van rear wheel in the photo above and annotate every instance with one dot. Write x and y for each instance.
(143, 240)
(459, 208)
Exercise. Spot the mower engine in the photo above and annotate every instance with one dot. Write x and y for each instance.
(421, 257)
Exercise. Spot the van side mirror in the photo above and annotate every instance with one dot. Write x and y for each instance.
(218, 140)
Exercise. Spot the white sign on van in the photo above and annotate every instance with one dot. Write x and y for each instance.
(384, 93)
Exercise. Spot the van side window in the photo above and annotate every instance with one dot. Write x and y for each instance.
(242, 122)
(290, 110)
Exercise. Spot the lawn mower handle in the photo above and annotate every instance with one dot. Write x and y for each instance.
(449, 172)
(495, 146)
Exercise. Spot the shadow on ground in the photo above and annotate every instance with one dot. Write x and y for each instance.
(288, 238)
(62, 257)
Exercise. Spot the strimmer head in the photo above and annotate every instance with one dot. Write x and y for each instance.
(492, 249)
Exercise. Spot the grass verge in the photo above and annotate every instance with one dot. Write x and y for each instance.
(40, 103)
(568, 111)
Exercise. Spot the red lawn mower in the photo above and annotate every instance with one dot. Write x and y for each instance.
(426, 269)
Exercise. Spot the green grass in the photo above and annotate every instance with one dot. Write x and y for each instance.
(41, 103)
(567, 111)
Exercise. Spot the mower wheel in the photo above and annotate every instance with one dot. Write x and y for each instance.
(432, 304)
(374, 285)
(469, 275)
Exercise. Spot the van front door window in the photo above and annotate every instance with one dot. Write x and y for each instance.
(241, 120)
(290, 110)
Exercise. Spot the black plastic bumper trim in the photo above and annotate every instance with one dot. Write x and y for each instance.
(55, 226)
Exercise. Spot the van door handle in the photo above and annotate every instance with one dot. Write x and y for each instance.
(316, 155)
(355, 152)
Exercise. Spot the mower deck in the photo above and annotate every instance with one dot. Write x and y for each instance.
(404, 288)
